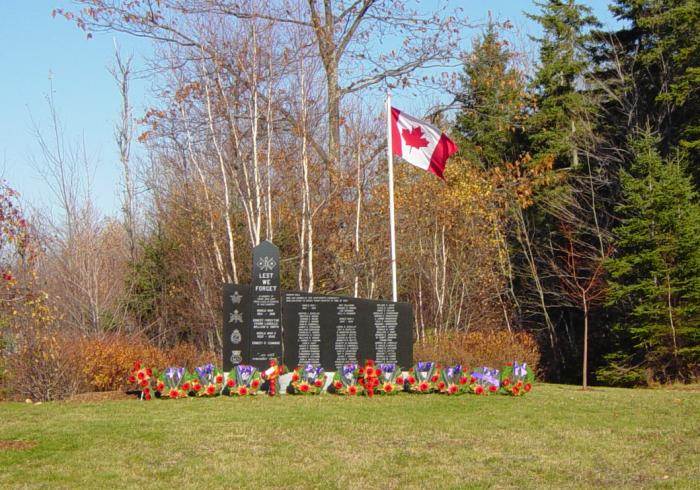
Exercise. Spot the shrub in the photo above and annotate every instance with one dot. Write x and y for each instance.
(43, 365)
(617, 373)
(188, 355)
(52, 365)
(479, 348)
(108, 359)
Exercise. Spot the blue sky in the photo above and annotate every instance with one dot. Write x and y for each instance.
(34, 45)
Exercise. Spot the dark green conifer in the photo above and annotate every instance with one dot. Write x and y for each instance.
(655, 274)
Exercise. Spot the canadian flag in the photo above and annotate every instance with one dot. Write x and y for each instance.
(419, 143)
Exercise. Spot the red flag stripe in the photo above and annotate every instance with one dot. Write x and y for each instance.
(444, 149)
(395, 136)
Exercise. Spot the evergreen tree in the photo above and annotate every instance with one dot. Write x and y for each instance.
(559, 125)
(558, 129)
(492, 103)
(651, 70)
(655, 275)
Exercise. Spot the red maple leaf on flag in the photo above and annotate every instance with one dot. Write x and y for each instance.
(414, 137)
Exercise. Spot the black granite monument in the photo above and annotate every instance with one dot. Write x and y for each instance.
(262, 323)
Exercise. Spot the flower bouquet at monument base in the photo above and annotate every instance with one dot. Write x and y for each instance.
(246, 381)
(368, 378)
(271, 377)
(453, 380)
(484, 381)
(170, 383)
(346, 380)
(142, 377)
(192, 385)
(424, 377)
(210, 381)
(517, 379)
(307, 380)
(390, 379)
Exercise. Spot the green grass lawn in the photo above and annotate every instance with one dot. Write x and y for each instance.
(556, 436)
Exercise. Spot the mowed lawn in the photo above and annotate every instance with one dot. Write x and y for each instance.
(557, 436)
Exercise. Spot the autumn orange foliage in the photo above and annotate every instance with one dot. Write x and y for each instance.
(479, 348)
(107, 360)
(52, 365)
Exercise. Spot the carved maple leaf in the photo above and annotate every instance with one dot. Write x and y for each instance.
(414, 137)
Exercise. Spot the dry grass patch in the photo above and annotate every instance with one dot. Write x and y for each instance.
(9, 445)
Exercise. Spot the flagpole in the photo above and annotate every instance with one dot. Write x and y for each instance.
(390, 159)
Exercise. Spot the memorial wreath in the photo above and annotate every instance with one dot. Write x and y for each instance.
(307, 380)
(517, 379)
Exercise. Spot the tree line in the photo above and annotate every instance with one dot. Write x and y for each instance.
(600, 143)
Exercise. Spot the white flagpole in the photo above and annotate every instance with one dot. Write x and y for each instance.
(390, 159)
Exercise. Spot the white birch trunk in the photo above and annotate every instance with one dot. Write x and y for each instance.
(205, 190)
(358, 211)
(224, 177)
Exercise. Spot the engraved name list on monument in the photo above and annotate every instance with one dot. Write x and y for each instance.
(346, 346)
(319, 330)
(386, 322)
(309, 335)
(337, 330)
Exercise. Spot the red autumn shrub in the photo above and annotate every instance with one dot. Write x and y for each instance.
(479, 348)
